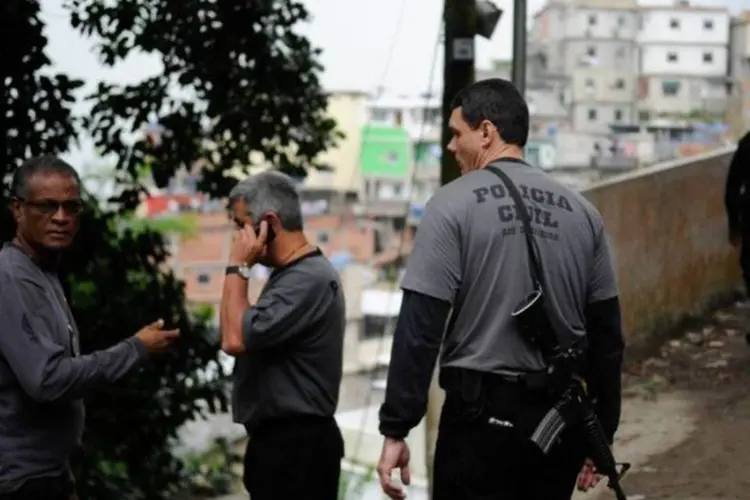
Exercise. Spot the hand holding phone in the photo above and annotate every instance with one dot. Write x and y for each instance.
(270, 235)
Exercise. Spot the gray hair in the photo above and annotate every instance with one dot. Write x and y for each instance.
(273, 192)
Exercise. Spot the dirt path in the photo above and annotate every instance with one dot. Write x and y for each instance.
(707, 372)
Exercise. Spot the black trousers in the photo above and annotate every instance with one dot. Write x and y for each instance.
(297, 457)
(43, 488)
(478, 460)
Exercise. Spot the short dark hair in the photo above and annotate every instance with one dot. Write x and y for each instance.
(38, 164)
(499, 102)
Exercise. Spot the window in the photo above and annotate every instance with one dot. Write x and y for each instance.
(592, 115)
(204, 278)
(708, 57)
(644, 116)
(671, 57)
(620, 84)
(589, 83)
(674, 24)
(323, 237)
(670, 87)
(618, 115)
(620, 52)
(620, 21)
(591, 51)
(592, 19)
(379, 114)
(708, 24)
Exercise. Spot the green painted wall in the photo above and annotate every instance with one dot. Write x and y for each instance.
(386, 152)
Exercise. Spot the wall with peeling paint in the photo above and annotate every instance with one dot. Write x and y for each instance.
(668, 231)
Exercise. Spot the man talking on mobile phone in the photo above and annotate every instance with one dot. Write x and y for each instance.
(43, 376)
(288, 345)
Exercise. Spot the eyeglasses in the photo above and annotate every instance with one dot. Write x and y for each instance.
(50, 207)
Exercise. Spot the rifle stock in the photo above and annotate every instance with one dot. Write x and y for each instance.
(576, 405)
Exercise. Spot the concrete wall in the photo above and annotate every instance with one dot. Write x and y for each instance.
(669, 235)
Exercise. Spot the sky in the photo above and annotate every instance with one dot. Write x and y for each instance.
(367, 45)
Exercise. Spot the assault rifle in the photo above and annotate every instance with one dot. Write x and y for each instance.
(564, 360)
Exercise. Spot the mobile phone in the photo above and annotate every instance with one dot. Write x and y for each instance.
(270, 235)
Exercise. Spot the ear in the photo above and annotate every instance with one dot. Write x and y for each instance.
(488, 130)
(15, 208)
(272, 220)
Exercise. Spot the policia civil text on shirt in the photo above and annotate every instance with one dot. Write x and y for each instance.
(43, 375)
(288, 346)
(468, 272)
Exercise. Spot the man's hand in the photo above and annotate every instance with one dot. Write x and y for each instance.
(588, 477)
(247, 247)
(395, 456)
(154, 338)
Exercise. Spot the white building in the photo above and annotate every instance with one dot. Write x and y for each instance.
(420, 116)
(683, 60)
(739, 73)
(586, 51)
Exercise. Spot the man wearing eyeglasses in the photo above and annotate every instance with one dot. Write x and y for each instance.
(43, 377)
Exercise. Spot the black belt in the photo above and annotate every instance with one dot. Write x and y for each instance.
(529, 380)
(290, 420)
(470, 382)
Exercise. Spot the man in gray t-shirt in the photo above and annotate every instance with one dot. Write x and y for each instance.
(288, 345)
(470, 259)
(43, 376)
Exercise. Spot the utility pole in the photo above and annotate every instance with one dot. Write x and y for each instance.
(518, 69)
(460, 21)
(460, 17)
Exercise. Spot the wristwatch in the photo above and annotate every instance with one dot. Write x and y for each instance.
(242, 270)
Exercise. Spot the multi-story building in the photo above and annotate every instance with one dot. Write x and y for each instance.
(739, 74)
(399, 156)
(585, 52)
(683, 61)
(349, 109)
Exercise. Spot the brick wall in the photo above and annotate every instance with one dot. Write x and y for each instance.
(200, 259)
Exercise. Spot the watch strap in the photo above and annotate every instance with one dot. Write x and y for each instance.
(234, 270)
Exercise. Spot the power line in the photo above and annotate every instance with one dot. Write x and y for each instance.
(389, 325)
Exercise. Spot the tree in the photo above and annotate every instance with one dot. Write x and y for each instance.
(247, 84)
(36, 106)
(116, 282)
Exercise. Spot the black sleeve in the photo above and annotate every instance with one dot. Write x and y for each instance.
(416, 344)
(604, 363)
(736, 179)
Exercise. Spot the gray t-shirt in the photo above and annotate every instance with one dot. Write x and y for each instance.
(42, 377)
(294, 342)
(470, 251)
